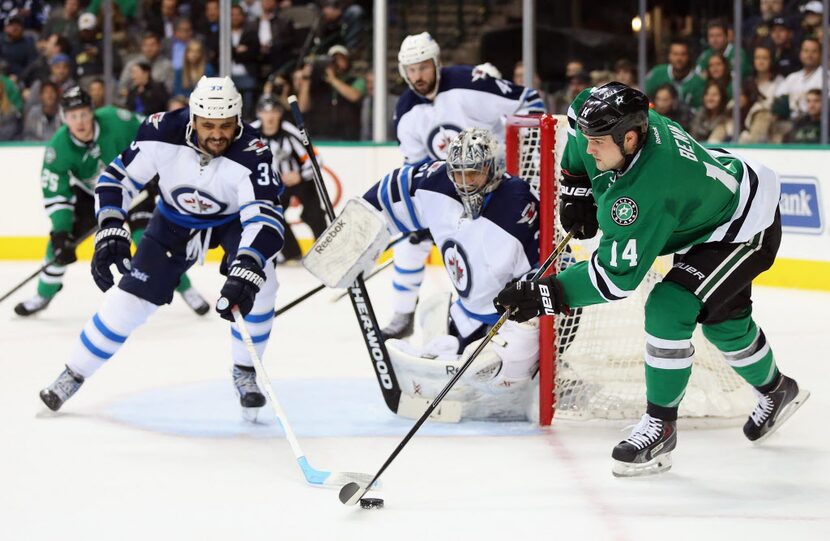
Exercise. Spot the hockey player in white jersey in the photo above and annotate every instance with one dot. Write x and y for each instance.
(484, 222)
(217, 187)
(440, 102)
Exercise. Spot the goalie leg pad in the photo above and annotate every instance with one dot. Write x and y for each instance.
(433, 316)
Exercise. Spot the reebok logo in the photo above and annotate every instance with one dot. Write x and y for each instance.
(334, 230)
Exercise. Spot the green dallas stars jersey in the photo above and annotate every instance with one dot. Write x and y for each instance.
(673, 195)
(68, 162)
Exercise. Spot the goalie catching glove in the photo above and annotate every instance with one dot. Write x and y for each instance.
(245, 277)
(528, 299)
(112, 246)
(578, 209)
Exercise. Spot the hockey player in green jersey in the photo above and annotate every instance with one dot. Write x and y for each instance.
(653, 190)
(72, 162)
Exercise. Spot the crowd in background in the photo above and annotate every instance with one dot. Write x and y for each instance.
(163, 47)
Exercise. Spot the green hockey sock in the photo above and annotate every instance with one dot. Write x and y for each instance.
(745, 348)
(184, 284)
(50, 280)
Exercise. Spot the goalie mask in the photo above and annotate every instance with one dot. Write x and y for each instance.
(475, 166)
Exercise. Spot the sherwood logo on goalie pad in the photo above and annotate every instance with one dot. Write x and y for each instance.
(330, 236)
(624, 211)
(193, 201)
(456, 263)
(371, 338)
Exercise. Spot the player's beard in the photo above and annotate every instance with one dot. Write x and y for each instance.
(423, 87)
(211, 144)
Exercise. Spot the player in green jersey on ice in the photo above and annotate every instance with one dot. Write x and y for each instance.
(653, 190)
(74, 158)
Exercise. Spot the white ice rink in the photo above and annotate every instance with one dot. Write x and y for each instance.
(152, 447)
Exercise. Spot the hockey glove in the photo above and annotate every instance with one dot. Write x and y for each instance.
(112, 246)
(63, 246)
(529, 299)
(245, 277)
(578, 209)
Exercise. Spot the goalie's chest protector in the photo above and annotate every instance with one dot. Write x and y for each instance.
(482, 255)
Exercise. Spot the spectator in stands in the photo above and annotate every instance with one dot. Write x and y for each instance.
(89, 61)
(626, 73)
(667, 102)
(17, 49)
(60, 73)
(11, 89)
(791, 95)
(161, 17)
(720, 72)
(9, 117)
(174, 47)
(756, 118)
(194, 68)
(279, 86)
(146, 96)
(756, 29)
(252, 8)
(176, 102)
(55, 44)
(807, 128)
(44, 119)
(210, 31)
(244, 59)
(276, 37)
(711, 117)
(33, 13)
(162, 67)
(367, 113)
(764, 75)
(678, 72)
(519, 76)
(331, 93)
(562, 99)
(785, 56)
(64, 21)
(97, 92)
(341, 23)
(811, 19)
(717, 39)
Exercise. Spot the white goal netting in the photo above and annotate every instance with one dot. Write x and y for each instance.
(596, 369)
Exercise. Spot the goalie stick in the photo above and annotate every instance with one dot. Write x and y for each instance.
(369, 327)
(350, 494)
(313, 476)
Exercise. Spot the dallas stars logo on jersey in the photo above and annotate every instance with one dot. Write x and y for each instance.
(624, 211)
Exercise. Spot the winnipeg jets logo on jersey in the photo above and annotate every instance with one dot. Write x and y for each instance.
(193, 201)
(155, 119)
(528, 214)
(257, 145)
(458, 267)
(439, 140)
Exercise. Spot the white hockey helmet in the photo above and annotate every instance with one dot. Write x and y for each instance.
(216, 97)
(475, 150)
(417, 48)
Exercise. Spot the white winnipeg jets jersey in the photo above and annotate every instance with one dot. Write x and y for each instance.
(198, 191)
(482, 255)
(466, 98)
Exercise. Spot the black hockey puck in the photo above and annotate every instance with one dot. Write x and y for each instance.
(371, 503)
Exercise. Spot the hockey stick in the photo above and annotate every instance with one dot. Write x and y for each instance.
(317, 289)
(377, 270)
(351, 493)
(369, 327)
(142, 195)
(314, 477)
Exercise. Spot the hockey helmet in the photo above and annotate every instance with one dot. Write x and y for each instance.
(74, 98)
(614, 109)
(475, 150)
(417, 48)
(269, 102)
(215, 97)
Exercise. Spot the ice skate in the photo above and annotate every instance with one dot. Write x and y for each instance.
(251, 398)
(195, 301)
(774, 408)
(647, 450)
(401, 326)
(32, 306)
(62, 389)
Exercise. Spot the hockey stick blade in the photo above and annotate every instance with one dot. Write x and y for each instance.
(321, 478)
(350, 494)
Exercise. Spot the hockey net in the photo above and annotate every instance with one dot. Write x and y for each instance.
(591, 362)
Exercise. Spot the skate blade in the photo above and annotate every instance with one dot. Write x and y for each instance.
(251, 414)
(786, 413)
(656, 465)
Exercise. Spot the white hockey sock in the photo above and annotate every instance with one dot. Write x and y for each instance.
(409, 273)
(258, 322)
(120, 314)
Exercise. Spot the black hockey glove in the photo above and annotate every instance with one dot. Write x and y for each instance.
(63, 246)
(578, 209)
(112, 246)
(529, 299)
(245, 277)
